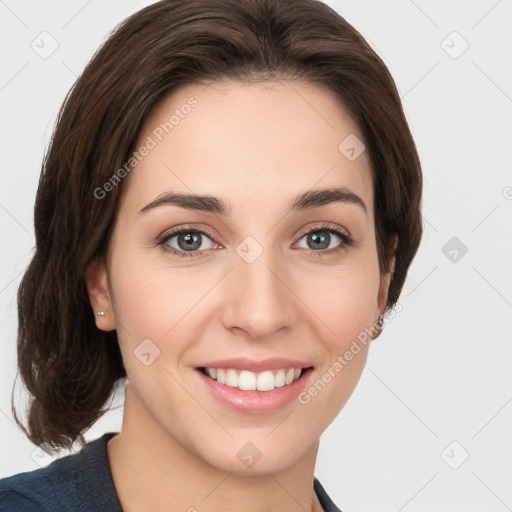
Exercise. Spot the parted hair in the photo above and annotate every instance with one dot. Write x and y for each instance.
(70, 367)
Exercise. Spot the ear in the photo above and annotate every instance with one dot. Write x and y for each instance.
(96, 282)
(385, 281)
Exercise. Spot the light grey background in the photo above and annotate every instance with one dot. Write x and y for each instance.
(437, 386)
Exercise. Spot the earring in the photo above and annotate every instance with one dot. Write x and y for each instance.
(101, 313)
(380, 321)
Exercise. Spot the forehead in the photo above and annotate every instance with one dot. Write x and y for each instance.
(250, 144)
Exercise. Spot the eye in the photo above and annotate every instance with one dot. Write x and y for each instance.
(320, 240)
(186, 241)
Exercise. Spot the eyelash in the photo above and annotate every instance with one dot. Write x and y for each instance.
(346, 240)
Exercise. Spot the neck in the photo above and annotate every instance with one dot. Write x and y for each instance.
(152, 470)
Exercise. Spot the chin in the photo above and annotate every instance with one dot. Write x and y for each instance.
(259, 468)
(253, 459)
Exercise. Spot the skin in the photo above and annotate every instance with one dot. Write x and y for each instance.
(257, 147)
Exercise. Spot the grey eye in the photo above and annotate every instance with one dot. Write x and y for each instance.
(188, 241)
(321, 239)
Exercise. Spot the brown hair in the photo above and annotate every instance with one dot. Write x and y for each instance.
(68, 365)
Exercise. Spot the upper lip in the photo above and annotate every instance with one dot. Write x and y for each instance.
(243, 363)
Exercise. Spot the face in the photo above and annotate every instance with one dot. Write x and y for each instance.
(270, 277)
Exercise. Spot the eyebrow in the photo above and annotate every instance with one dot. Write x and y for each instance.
(211, 204)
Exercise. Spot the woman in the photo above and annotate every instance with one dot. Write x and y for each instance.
(228, 208)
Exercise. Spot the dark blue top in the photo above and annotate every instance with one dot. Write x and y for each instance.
(79, 482)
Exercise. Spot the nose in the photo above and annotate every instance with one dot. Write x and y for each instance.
(261, 297)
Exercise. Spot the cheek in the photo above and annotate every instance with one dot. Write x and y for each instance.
(345, 299)
(140, 302)
(150, 300)
(345, 304)
(159, 303)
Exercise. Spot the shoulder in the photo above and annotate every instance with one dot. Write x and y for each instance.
(34, 491)
(15, 501)
(64, 485)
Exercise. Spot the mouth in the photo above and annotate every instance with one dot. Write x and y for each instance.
(246, 380)
(255, 393)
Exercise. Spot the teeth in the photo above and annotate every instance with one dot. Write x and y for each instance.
(231, 378)
(247, 380)
(250, 381)
(280, 379)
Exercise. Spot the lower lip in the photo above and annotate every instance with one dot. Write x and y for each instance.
(256, 402)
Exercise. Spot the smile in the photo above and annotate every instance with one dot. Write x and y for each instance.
(274, 395)
(251, 381)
